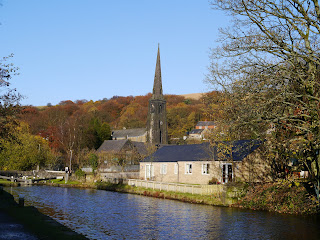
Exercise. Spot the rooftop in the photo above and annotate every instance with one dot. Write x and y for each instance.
(205, 123)
(134, 132)
(204, 152)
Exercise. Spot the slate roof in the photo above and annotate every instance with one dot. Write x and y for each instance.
(134, 132)
(174, 153)
(112, 145)
(205, 123)
(117, 145)
(196, 131)
(241, 148)
(141, 148)
(203, 152)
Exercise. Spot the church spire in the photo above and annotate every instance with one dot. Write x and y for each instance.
(157, 85)
(157, 130)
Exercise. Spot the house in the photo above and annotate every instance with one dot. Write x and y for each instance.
(222, 162)
(201, 132)
(134, 134)
(120, 153)
(205, 125)
(196, 134)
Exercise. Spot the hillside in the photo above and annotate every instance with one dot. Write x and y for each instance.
(195, 96)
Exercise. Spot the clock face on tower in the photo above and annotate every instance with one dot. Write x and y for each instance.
(161, 122)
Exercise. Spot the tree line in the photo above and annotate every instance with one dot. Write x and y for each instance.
(74, 130)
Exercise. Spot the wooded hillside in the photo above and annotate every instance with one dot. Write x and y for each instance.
(76, 129)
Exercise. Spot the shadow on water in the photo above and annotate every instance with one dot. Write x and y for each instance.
(101, 214)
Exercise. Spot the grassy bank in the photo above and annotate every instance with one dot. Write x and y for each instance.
(8, 183)
(184, 197)
(34, 221)
(281, 197)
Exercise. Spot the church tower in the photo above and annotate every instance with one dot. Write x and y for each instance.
(157, 131)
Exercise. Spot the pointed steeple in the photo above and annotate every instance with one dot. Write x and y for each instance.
(157, 85)
(157, 127)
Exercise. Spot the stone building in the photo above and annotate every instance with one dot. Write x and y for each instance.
(157, 132)
(201, 163)
(133, 134)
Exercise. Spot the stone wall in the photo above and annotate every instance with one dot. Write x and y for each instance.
(226, 193)
(117, 177)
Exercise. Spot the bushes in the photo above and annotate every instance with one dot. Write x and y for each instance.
(79, 173)
(281, 197)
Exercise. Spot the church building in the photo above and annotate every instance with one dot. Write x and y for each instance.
(157, 130)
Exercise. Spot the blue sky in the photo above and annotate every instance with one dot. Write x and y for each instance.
(95, 49)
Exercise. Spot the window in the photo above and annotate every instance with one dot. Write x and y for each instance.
(188, 168)
(163, 169)
(176, 168)
(149, 172)
(205, 168)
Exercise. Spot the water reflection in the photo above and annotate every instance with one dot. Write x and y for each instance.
(109, 215)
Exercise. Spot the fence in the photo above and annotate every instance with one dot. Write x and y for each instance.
(215, 190)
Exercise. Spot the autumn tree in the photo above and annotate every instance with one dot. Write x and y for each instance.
(268, 66)
(97, 132)
(133, 116)
(9, 100)
(26, 152)
(181, 119)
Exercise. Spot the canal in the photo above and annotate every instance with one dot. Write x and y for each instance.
(102, 214)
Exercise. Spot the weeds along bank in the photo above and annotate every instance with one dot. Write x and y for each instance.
(281, 197)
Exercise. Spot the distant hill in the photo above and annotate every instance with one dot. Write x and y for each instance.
(195, 96)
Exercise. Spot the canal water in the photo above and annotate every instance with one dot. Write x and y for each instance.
(102, 214)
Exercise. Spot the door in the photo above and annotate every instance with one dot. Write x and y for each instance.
(227, 172)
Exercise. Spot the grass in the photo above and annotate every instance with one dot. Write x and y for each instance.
(34, 221)
(5, 182)
(62, 181)
(184, 197)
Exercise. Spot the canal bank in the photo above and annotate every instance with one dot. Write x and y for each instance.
(22, 222)
(102, 214)
(281, 197)
(285, 196)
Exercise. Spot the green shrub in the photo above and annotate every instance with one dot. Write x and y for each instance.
(79, 173)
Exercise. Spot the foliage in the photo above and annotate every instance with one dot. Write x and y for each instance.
(281, 197)
(82, 126)
(267, 67)
(181, 119)
(79, 173)
(93, 161)
(25, 152)
(9, 100)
